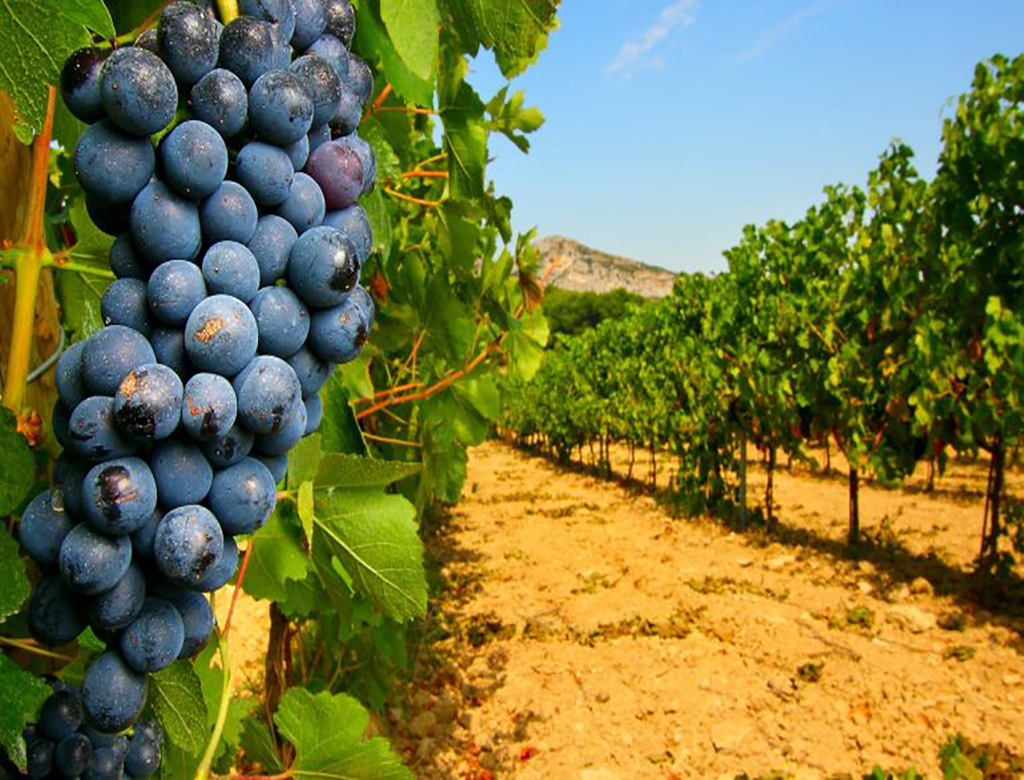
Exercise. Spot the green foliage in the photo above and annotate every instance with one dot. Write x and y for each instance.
(17, 467)
(14, 584)
(176, 696)
(570, 312)
(21, 696)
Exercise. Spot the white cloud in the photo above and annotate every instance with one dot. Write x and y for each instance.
(773, 35)
(681, 13)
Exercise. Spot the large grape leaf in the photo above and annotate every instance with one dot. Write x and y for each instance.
(326, 731)
(374, 44)
(14, 584)
(35, 39)
(354, 471)
(374, 536)
(516, 30)
(21, 696)
(176, 696)
(258, 744)
(17, 467)
(465, 133)
(413, 26)
(276, 558)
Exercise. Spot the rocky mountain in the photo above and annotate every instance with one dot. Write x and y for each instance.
(578, 267)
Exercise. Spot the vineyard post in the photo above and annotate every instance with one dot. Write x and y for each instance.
(853, 535)
(743, 479)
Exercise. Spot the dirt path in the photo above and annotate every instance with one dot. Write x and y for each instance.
(584, 633)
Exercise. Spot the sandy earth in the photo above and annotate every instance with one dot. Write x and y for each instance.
(583, 632)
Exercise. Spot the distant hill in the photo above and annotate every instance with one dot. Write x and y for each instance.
(581, 268)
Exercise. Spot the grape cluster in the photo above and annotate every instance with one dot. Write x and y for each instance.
(239, 244)
(62, 744)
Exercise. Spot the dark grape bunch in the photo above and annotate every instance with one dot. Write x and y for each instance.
(62, 744)
(239, 244)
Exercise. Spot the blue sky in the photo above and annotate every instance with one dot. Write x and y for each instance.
(673, 123)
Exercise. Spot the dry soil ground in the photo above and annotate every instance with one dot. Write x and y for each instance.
(584, 632)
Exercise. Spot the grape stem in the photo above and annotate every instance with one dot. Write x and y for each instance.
(228, 10)
(59, 261)
(28, 265)
(28, 647)
(203, 772)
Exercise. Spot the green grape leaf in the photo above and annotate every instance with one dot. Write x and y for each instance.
(35, 39)
(258, 744)
(465, 134)
(339, 431)
(176, 763)
(526, 345)
(380, 221)
(176, 696)
(356, 471)
(326, 731)
(374, 44)
(17, 466)
(516, 30)
(277, 557)
(306, 508)
(375, 538)
(304, 460)
(389, 167)
(413, 26)
(21, 696)
(14, 584)
(80, 294)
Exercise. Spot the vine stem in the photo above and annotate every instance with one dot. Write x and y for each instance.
(410, 199)
(60, 261)
(28, 266)
(31, 648)
(228, 10)
(385, 440)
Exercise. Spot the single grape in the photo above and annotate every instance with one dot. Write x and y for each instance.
(142, 537)
(194, 158)
(183, 474)
(119, 606)
(230, 449)
(266, 172)
(188, 545)
(110, 218)
(69, 378)
(337, 335)
(243, 496)
(116, 742)
(143, 759)
(112, 165)
(359, 78)
(282, 441)
(42, 529)
(312, 372)
(298, 152)
(221, 100)
(40, 758)
(354, 223)
(280, 109)
(158, 586)
(188, 42)
(61, 714)
(323, 84)
(68, 476)
(282, 321)
(350, 114)
(165, 226)
(229, 214)
(305, 207)
(54, 617)
(196, 615)
(151, 730)
(148, 403)
(60, 421)
(248, 48)
(91, 562)
(125, 262)
(314, 414)
(323, 267)
(109, 355)
(338, 169)
(229, 268)
(80, 81)
(277, 465)
(317, 137)
(155, 638)
(138, 91)
(169, 346)
(106, 764)
(72, 756)
(277, 12)
(332, 51)
(93, 434)
(220, 574)
(118, 497)
(209, 407)
(367, 158)
(221, 335)
(113, 693)
(150, 41)
(341, 20)
(124, 303)
(310, 22)
(175, 288)
(271, 245)
(267, 390)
